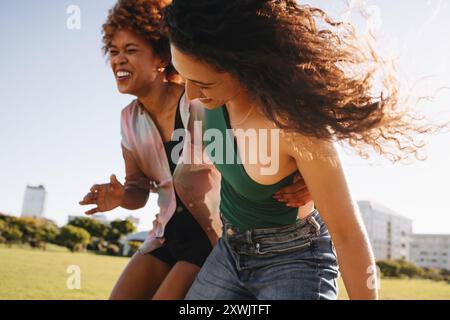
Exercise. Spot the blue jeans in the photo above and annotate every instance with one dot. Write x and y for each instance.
(285, 263)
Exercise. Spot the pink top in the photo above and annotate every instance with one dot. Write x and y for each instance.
(195, 179)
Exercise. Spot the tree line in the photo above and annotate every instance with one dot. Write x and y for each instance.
(80, 234)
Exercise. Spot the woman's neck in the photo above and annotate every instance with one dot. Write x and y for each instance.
(239, 107)
(156, 99)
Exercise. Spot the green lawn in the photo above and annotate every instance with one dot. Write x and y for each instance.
(34, 274)
(406, 289)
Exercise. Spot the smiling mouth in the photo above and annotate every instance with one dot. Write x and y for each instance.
(123, 75)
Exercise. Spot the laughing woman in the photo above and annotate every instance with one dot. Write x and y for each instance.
(178, 244)
(266, 65)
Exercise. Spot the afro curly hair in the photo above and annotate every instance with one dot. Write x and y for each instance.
(144, 18)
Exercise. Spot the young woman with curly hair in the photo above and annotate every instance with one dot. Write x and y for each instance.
(267, 65)
(188, 224)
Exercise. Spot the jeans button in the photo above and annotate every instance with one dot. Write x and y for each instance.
(230, 232)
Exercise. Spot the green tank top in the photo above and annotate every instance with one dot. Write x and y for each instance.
(245, 203)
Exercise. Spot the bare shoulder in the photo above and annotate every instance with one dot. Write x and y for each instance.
(302, 147)
(297, 145)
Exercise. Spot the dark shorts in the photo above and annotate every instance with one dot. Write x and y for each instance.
(185, 241)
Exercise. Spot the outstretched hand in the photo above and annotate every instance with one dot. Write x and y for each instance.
(106, 196)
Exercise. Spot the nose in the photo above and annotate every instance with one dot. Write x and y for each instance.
(119, 59)
(192, 91)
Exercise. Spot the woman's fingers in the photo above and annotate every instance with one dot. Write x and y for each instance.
(95, 188)
(90, 198)
(289, 195)
(293, 188)
(92, 211)
(88, 201)
(114, 182)
(286, 191)
(301, 196)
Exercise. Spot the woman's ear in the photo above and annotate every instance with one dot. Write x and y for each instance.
(162, 65)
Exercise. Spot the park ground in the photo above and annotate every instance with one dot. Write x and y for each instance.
(27, 273)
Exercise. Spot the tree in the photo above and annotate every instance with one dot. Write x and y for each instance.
(389, 268)
(2, 229)
(113, 250)
(94, 227)
(51, 230)
(12, 234)
(113, 235)
(36, 231)
(9, 230)
(119, 228)
(123, 226)
(410, 270)
(73, 238)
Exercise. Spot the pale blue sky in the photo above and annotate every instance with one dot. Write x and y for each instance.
(60, 111)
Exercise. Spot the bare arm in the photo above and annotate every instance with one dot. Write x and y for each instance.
(108, 196)
(320, 165)
(137, 185)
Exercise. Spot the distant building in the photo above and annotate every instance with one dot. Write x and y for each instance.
(34, 202)
(135, 237)
(389, 232)
(100, 218)
(431, 250)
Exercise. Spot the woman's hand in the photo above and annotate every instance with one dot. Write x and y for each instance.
(106, 196)
(296, 195)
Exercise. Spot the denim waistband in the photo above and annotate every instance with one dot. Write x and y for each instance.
(312, 225)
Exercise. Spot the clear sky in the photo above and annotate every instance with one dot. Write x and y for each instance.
(60, 110)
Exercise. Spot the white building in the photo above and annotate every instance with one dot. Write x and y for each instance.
(431, 250)
(389, 232)
(135, 237)
(34, 202)
(100, 218)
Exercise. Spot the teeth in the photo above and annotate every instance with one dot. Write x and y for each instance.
(121, 74)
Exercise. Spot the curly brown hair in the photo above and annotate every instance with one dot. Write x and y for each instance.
(144, 18)
(318, 82)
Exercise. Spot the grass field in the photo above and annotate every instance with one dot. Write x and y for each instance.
(34, 274)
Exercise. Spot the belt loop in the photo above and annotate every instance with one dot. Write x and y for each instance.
(248, 233)
(315, 224)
